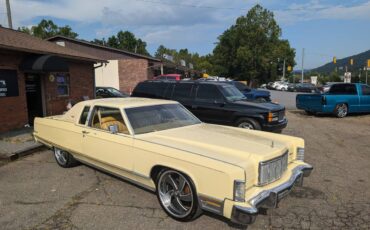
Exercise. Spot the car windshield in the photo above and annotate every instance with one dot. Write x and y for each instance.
(159, 117)
(115, 92)
(232, 94)
(242, 87)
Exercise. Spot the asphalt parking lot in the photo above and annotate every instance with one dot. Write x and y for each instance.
(35, 193)
(285, 98)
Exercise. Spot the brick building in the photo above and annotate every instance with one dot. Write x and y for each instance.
(39, 78)
(124, 70)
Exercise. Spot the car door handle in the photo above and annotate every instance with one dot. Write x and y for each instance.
(194, 107)
(85, 132)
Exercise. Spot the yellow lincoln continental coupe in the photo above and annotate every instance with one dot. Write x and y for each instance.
(192, 166)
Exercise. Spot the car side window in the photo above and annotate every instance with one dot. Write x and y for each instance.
(208, 93)
(366, 90)
(169, 90)
(84, 115)
(346, 89)
(104, 117)
(182, 91)
(160, 89)
(143, 89)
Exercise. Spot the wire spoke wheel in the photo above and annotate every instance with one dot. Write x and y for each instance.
(175, 194)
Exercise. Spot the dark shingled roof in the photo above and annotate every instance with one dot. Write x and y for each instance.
(60, 37)
(19, 41)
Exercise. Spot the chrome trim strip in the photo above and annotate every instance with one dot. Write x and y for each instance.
(118, 175)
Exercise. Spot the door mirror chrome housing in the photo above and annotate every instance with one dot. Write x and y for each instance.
(113, 129)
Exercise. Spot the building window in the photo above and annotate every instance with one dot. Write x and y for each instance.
(62, 80)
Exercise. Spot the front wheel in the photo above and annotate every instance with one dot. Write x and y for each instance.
(177, 195)
(248, 123)
(341, 110)
(261, 100)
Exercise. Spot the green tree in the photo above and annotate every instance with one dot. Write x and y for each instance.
(47, 28)
(127, 41)
(250, 49)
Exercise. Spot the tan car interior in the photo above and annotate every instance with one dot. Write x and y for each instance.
(105, 117)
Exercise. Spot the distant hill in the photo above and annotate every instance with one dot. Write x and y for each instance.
(360, 60)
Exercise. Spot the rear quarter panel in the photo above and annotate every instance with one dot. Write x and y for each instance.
(352, 102)
(59, 133)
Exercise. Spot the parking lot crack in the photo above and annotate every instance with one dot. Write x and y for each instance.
(61, 219)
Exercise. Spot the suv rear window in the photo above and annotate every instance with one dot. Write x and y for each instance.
(150, 89)
(208, 93)
(347, 89)
(182, 91)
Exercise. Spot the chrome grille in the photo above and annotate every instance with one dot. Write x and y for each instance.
(271, 170)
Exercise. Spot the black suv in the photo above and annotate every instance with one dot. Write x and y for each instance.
(217, 103)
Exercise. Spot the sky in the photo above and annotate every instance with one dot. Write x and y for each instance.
(324, 28)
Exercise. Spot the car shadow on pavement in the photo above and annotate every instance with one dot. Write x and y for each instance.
(225, 220)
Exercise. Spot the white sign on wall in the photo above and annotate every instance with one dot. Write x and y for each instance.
(314, 80)
(347, 77)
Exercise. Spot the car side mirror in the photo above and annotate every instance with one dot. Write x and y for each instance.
(113, 129)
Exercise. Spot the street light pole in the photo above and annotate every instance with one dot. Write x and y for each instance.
(284, 71)
(302, 65)
(8, 12)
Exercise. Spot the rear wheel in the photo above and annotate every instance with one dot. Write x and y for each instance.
(341, 110)
(248, 123)
(64, 158)
(177, 195)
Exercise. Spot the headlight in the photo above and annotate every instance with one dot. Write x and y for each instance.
(300, 154)
(272, 116)
(239, 190)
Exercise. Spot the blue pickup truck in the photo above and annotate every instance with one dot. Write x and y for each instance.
(340, 100)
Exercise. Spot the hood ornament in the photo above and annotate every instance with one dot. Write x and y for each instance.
(272, 144)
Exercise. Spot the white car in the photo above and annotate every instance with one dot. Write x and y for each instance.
(283, 86)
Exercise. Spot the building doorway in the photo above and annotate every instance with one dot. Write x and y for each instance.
(34, 97)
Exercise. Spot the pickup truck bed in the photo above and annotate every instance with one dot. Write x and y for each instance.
(341, 100)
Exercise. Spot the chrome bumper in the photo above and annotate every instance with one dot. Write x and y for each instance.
(269, 198)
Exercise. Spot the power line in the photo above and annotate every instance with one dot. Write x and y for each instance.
(302, 8)
(191, 5)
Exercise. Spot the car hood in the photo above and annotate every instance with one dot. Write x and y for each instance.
(260, 92)
(268, 106)
(228, 144)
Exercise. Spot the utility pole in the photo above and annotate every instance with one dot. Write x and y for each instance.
(302, 65)
(10, 24)
(284, 70)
